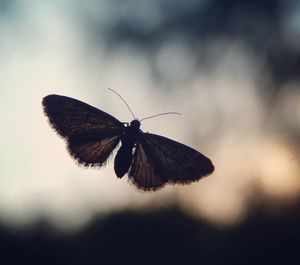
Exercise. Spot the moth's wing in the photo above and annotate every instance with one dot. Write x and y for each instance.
(167, 162)
(91, 134)
(72, 118)
(143, 173)
(93, 152)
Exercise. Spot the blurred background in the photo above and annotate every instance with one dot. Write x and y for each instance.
(232, 68)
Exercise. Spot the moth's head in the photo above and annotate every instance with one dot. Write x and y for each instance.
(135, 124)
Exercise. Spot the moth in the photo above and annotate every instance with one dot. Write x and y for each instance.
(150, 160)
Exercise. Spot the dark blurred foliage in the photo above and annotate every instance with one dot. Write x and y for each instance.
(164, 237)
(257, 24)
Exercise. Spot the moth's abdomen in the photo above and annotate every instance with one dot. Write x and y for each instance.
(123, 160)
(124, 156)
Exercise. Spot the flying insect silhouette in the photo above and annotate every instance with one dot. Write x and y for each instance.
(150, 160)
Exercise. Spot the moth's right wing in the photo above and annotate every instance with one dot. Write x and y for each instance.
(143, 172)
(91, 134)
(159, 160)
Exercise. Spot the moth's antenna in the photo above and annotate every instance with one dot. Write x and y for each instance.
(123, 101)
(160, 114)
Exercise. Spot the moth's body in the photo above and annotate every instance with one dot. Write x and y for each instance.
(150, 160)
(124, 156)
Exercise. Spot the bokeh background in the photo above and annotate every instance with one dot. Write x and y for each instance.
(232, 68)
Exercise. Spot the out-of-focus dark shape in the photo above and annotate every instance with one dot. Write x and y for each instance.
(164, 237)
(267, 27)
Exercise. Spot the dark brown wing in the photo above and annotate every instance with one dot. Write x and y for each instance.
(143, 173)
(72, 118)
(93, 153)
(91, 134)
(168, 161)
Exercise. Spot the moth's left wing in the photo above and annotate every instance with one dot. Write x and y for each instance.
(166, 161)
(91, 134)
(93, 153)
(74, 119)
